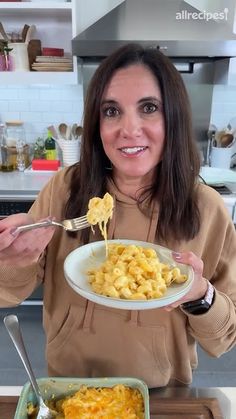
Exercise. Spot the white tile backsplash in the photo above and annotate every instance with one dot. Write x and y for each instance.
(18, 105)
(41, 106)
(223, 106)
(8, 94)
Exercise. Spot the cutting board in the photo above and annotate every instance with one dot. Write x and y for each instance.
(169, 408)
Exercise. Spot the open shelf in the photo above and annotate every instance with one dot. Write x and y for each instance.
(55, 27)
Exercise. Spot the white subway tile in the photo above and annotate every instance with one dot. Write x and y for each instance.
(18, 105)
(61, 106)
(50, 94)
(53, 117)
(10, 116)
(8, 94)
(39, 105)
(4, 106)
(30, 116)
(28, 94)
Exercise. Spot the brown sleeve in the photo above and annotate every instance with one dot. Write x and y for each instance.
(215, 330)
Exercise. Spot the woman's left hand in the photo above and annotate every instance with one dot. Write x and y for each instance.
(199, 286)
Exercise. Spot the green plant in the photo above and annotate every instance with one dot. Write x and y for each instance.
(4, 50)
(39, 149)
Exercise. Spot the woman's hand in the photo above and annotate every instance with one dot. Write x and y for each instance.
(199, 286)
(22, 249)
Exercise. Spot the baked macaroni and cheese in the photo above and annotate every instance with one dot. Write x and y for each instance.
(99, 212)
(133, 272)
(119, 401)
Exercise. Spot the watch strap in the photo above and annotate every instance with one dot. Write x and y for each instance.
(209, 296)
(201, 305)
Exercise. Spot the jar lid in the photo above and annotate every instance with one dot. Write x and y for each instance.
(14, 123)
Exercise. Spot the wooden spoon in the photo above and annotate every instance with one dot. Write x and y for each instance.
(29, 33)
(62, 128)
(24, 32)
(73, 130)
(3, 33)
(226, 140)
(78, 131)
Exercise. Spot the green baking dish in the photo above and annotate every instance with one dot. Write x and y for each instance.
(61, 387)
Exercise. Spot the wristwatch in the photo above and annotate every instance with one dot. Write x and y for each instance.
(202, 305)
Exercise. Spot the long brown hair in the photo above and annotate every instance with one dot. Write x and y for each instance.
(176, 174)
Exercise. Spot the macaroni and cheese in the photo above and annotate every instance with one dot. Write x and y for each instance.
(133, 272)
(99, 212)
(119, 401)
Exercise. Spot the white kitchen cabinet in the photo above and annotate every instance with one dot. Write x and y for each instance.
(56, 25)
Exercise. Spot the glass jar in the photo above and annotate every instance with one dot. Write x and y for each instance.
(16, 145)
(5, 161)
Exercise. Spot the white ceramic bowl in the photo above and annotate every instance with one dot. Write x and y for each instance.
(90, 256)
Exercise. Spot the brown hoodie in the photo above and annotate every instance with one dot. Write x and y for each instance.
(89, 340)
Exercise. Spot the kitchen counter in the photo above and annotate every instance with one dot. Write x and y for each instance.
(13, 183)
(225, 395)
(22, 186)
(33, 182)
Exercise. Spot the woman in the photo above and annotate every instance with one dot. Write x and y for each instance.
(137, 145)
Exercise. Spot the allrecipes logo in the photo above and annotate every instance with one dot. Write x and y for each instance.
(185, 15)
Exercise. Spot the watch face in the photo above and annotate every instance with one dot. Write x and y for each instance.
(196, 307)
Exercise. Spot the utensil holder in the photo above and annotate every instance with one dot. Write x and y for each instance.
(70, 151)
(19, 55)
(220, 157)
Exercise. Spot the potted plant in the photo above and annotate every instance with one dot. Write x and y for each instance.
(5, 59)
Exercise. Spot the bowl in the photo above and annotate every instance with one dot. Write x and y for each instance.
(91, 255)
(60, 387)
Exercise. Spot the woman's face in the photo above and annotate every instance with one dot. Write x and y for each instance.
(132, 122)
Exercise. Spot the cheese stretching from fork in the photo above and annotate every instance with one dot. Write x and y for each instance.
(99, 212)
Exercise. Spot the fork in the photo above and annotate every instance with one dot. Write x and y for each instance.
(74, 224)
(13, 327)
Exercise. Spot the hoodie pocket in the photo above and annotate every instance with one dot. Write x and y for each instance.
(160, 351)
(73, 319)
(113, 347)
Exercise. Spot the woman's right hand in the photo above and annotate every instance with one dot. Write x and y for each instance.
(22, 249)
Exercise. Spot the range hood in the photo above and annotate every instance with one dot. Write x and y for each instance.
(154, 23)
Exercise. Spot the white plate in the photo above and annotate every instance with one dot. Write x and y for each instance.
(216, 176)
(92, 255)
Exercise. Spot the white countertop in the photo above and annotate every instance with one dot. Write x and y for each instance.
(20, 183)
(229, 392)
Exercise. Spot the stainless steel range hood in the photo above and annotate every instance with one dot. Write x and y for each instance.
(154, 23)
(200, 45)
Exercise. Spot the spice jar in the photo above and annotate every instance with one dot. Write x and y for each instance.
(16, 145)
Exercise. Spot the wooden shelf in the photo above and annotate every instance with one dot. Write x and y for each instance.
(55, 26)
